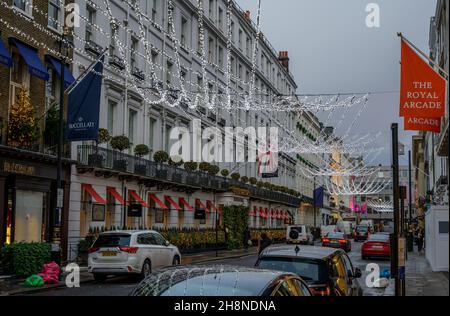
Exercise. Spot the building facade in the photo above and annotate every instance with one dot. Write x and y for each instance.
(29, 98)
(170, 196)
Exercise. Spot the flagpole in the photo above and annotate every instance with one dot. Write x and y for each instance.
(74, 84)
(399, 34)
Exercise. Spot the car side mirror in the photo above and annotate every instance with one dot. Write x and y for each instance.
(357, 274)
(167, 243)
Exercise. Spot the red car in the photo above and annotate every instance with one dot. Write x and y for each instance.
(377, 245)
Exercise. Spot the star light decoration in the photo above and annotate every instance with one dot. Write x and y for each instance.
(193, 95)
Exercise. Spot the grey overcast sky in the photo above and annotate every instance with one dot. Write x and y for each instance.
(332, 50)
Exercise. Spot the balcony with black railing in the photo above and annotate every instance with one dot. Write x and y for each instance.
(90, 157)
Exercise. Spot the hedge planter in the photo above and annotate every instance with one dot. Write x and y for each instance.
(177, 178)
(191, 180)
(95, 160)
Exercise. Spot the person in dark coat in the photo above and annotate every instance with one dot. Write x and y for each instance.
(420, 238)
(247, 237)
(264, 242)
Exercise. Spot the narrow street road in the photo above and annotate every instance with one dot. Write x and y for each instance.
(121, 286)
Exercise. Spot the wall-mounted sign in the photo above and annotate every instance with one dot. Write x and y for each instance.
(134, 210)
(98, 212)
(241, 192)
(19, 168)
(200, 214)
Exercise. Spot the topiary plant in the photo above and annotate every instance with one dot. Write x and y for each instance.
(103, 136)
(141, 150)
(176, 161)
(190, 165)
(253, 181)
(120, 143)
(161, 156)
(260, 184)
(244, 179)
(213, 170)
(235, 176)
(225, 173)
(204, 166)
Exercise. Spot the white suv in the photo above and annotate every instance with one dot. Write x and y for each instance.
(299, 234)
(130, 252)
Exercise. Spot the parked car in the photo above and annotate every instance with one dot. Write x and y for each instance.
(327, 271)
(221, 281)
(362, 232)
(337, 240)
(377, 245)
(130, 252)
(299, 234)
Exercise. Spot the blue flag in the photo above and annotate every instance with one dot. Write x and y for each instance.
(318, 197)
(84, 106)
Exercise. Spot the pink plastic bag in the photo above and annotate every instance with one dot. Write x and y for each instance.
(50, 273)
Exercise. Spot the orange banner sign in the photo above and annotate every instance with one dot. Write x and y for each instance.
(423, 124)
(422, 91)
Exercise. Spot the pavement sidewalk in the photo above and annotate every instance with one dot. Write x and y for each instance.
(420, 279)
(13, 286)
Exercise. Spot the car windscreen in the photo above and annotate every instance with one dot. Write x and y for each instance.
(297, 228)
(113, 240)
(362, 228)
(336, 235)
(378, 237)
(312, 271)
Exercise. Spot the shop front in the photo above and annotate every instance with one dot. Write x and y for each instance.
(27, 199)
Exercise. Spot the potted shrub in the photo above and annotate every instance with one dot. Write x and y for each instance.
(96, 159)
(191, 166)
(244, 179)
(235, 176)
(204, 168)
(120, 143)
(225, 173)
(177, 162)
(260, 184)
(140, 151)
(161, 157)
(214, 170)
(253, 181)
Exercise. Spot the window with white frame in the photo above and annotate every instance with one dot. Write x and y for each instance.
(151, 133)
(133, 52)
(24, 5)
(184, 31)
(132, 125)
(91, 13)
(169, 72)
(55, 14)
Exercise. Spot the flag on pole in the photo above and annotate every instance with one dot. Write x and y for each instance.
(84, 106)
(318, 196)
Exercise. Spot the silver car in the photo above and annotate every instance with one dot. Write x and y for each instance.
(130, 252)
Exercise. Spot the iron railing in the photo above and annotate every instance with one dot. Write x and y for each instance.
(90, 156)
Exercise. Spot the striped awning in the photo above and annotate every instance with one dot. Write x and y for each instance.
(157, 201)
(116, 195)
(137, 198)
(186, 205)
(94, 195)
(174, 204)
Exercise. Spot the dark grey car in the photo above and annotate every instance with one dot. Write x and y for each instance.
(221, 281)
(328, 271)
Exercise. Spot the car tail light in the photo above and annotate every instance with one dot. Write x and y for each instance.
(321, 291)
(325, 240)
(342, 241)
(129, 249)
(93, 249)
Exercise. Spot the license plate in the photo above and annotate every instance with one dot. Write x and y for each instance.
(109, 254)
(334, 242)
(377, 247)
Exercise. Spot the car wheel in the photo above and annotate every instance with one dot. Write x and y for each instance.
(100, 278)
(146, 268)
(176, 261)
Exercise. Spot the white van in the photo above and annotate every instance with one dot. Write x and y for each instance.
(345, 227)
(299, 234)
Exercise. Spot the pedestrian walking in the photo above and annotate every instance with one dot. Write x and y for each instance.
(264, 242)
(247, 238)
(420, 239)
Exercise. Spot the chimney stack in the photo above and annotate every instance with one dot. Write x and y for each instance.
(284, 59)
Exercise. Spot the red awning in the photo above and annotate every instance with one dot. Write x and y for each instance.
(116, 195)
(186, 205)
(210, 205)
(90, 190)
(158, 201)
(199, 204)
(254, 212)
(175, 205)
(262, 213)
(137, 198)
(279, 215)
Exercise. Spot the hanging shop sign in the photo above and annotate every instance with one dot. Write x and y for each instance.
(134, 210)
(422, 89)
(423, 124)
